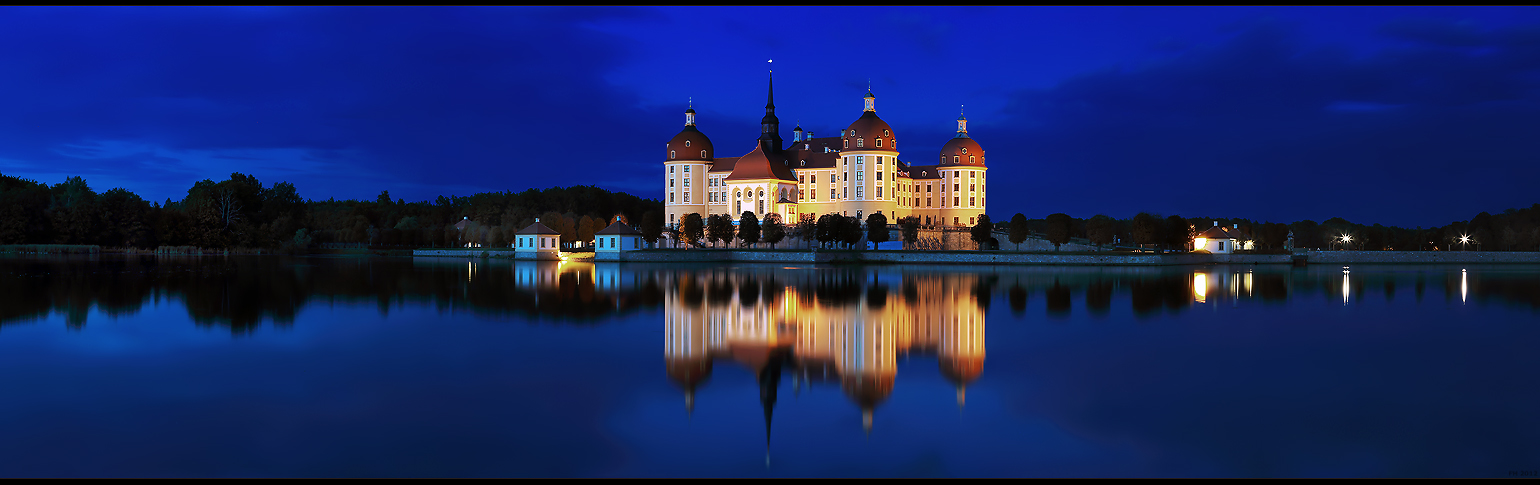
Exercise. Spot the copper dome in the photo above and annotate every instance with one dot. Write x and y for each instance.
(688, 372)
(689, 144)
(962, 151)
(869, 129)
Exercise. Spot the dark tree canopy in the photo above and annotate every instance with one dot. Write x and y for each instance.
(1146, 229)
(1178, 233)
(877, 229)
(1100, 230)
(774, 229)
(850, 231)
(1058, 229)
(911, 229)
(748, 228)
(981, 231)
(1019, 230)
(691, 229)
(719, 229)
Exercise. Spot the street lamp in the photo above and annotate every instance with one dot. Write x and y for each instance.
(1464, 241)
(1346, 239)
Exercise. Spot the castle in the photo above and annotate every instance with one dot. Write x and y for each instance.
(856, 174)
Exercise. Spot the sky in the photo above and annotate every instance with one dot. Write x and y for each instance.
(1402, 116)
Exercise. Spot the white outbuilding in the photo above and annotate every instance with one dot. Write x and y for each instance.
(537, 242)
(617, 237)
(1221, 240)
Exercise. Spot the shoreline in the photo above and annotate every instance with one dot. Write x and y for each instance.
(1018, 258)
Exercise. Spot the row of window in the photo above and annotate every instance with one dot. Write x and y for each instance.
(673, 154)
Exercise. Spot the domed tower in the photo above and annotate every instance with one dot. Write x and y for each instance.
(687, 158)
(868, 165)
(962, 175)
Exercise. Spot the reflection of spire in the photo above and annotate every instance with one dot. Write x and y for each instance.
(689, 401)
(866, 419)
(769, 383)
(962, 395)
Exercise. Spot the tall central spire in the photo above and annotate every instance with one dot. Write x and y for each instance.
(770, 126)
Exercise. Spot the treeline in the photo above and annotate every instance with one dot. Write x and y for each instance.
(1512, 230)
(242, 213)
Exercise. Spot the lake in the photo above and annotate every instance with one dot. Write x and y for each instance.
(129, 366)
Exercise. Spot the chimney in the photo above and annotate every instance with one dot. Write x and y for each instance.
(537, 219)
(1216, 223)
(1237, 226)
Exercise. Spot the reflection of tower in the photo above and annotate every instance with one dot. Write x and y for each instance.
(685, 348)
(962, 351)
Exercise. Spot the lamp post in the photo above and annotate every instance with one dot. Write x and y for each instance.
(1345, 239)
(1464, 242)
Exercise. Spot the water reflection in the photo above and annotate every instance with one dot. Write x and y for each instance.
(831, 325)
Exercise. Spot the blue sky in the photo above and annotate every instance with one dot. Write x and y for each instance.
(1405, 116)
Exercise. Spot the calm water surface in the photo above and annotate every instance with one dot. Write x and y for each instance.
(268, 366)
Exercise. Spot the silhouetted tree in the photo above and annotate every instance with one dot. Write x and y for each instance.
(1147, 229)
(719, 229)
(1178, 233)
(850, 231)
(877, 229)
(652, 227)
(1058, 228)
(1099, 230)
(774, 229)
(690, 229)
(981, 232)
(911, 230)
(1018, 231)
(748, 228)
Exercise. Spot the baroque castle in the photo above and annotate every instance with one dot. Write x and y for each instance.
(857, 173)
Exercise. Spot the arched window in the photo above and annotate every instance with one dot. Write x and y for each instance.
(687, 143)
(847, 143)
(703, 154)
(886, 133)
(972, 159)
(879, 142)
(954, 158)
(670, 154)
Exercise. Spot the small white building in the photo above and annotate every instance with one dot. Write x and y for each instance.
(1221, 240)
(537, 242)
(617, 237)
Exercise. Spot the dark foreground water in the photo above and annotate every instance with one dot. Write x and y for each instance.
(267, 366)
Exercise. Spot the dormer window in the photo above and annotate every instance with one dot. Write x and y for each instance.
(847, 143)
(687, 143)
(859, 142)
(972, 159)
(804, 163)
(703, 154)
(879, 142)
(670, 154)
(886, 133)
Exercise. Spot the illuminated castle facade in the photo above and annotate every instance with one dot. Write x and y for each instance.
(857, 173)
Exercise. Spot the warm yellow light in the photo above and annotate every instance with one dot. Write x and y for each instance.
(1200, 286)
(1200, 242)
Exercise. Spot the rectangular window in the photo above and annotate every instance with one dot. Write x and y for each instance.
(955, 201)
(927, 188)
(832, 193)
(973, 188)
(670, 169)
(670, 182)
(686, 169)
(956, 187)
(972, 174)
(860, 193)
(879, 175)
(670, 196)
(860, 176)
(860, 160)
(970, 201)
(801, 179)
(879, 192)
(801, 194)
(686, 196)
(815, 178)
(957, 173)
(686, 181)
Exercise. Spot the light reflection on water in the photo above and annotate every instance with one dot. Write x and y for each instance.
(1174, 371)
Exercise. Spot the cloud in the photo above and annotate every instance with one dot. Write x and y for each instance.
(1265, 126)
(483, 97)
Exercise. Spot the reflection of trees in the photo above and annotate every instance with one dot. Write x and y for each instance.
(1058, 300)
(1098, 297)
(1018, 297)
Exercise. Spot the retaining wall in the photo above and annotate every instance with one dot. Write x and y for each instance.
(1415, 257)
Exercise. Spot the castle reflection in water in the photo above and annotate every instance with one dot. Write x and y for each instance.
(816, 324)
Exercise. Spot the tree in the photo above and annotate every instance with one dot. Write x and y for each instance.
(774, 229)
(690, 229)
(586, 227)
(807, 229)
(1058, 229)
(719, 229)
(1018, 230)
(1099, 229)
(1178, 233)
(828, 228)
(981, 231)
(748, 228)
(850, 231)
(652, 227)
(911, 230)
(1307, 234)
(1146, 229)
(877, 229)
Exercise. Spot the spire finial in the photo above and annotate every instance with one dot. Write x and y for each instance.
(771, 62)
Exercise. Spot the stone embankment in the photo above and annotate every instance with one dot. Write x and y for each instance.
(1011, 257)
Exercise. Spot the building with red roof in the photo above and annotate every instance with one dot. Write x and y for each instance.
(857, 173)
